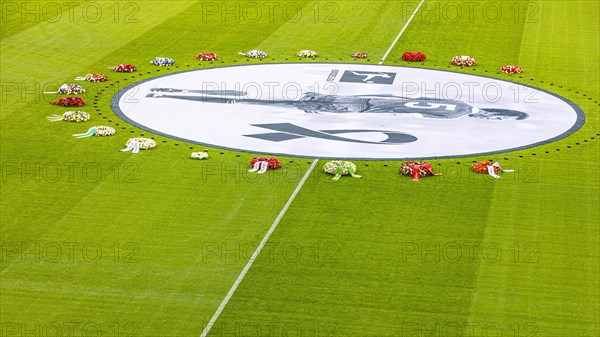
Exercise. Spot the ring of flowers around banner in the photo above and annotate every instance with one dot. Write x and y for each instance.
(124, 68)
(463, 61)
(359, 55)
(71, 116)
(482, 167)
(416, 169)
(199, 155)
(511, 69)
(307, 54)
(145, 143)
(273, 163)
(93, 78)
(413, 56)
(70, 102)
(254, 54)
(163, 61)
(68, 89)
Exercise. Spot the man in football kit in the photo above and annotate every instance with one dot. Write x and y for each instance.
(311, 102)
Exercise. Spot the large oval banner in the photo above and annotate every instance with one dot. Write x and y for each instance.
(347, 111)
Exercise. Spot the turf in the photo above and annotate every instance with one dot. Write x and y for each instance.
(157, 239)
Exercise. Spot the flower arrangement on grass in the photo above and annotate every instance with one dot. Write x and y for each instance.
(463, 61)
(416, 169)
(482, 167)
(359, 55)
(70, 116)
(68, 89)
(145, 143)
(488, 167)
(331, 167)
(199, 155)
(124, 68)
(511, 69)
(307, 54)
(104, 131)
(163, 61)
(273, 163)
(98, 131)
(254, 54)
(207, 56)
(70, 102)
(93, 78)
(413, 56)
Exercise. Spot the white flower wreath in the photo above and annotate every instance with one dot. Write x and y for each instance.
(199, 155)
(255, 54)
(104, 131)
(145, 143)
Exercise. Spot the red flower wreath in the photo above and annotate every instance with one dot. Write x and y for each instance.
(359, 55)
(407, 168)
(482, 167)
(273, 162)
(207, 57)
(70, 101)
(124, 68)
(413, 56)
(511, 69)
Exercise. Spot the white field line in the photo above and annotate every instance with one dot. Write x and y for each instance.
(257, 252)
(401, 32)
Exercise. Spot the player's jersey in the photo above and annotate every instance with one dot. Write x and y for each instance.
(428, 107)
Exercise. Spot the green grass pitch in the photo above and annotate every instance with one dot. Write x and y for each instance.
(100, 243)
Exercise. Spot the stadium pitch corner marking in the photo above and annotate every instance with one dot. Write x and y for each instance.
(348, 111)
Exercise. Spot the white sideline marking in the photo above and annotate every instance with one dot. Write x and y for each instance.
(256, 252)
(401, 32)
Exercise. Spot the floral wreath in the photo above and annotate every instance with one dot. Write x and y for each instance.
(93, 78)
(207, 56)
(307, 54)
(70, 102)
(124, 68)
(68, 89)
(488, 167)
(99, 131)
(463, 61)
(511, 69)
(482, 167)
(413, 56)
(145, 143)
(71, 116)
(416, 169)
(359, 55)
(340, 168)
(104, 131)
(163, 61)
(273, 163)
(255, 54)
(199, 155)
